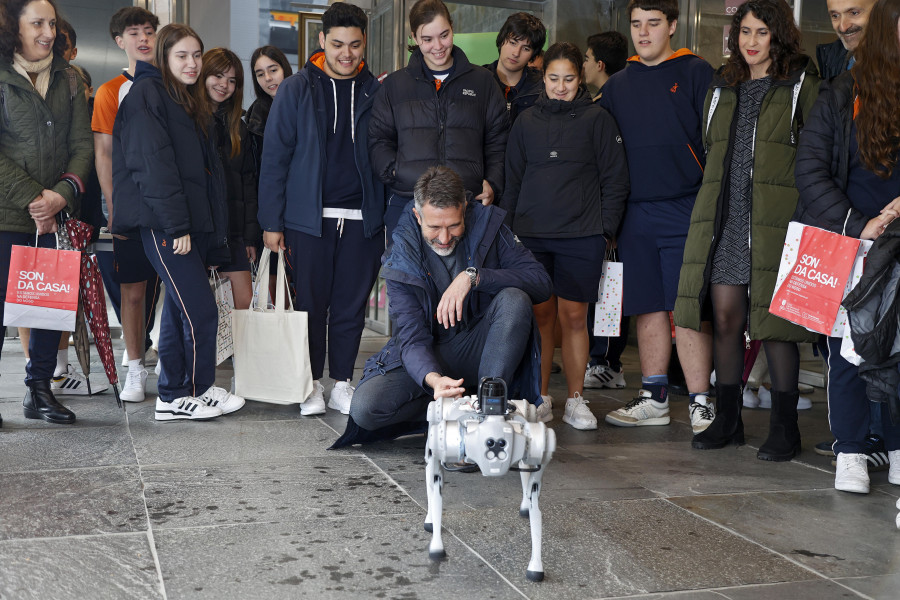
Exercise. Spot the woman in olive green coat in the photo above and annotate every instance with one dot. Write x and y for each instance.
(754, 113)
(46, 151)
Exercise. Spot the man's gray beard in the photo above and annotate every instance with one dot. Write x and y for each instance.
(443, 251)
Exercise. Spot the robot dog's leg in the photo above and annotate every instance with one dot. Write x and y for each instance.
(526, 485)
(430, 461)
(436, 508)
(535, 570)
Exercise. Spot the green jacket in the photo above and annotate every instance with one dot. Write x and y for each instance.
(40, 139)
(774, 199)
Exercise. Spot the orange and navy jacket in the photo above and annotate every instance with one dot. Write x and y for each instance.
(659, 113)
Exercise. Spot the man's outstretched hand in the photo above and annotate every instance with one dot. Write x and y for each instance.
(444, 387)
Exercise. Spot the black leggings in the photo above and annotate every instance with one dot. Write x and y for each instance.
(729, 304)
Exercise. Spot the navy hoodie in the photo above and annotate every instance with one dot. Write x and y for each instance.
(659, 112)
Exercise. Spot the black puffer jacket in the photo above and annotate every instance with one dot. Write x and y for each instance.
(523, 95)
(874, 311)
(255, 118)
(165, 171)
(566, 172)
(415, 126)
(240, 183)
(823, 162)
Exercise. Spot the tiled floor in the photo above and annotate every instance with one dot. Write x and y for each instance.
(253, 506)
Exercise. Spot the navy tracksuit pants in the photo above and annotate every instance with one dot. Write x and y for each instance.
(332, 277)
(43, 343)
(848, 406)
(187, 331)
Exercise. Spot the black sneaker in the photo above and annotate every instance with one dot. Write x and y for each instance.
(824, 448)
(876, 455)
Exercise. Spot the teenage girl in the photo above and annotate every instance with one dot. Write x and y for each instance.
(169, 185)
(223, 78)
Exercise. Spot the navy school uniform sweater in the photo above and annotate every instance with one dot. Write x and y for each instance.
(659, 113)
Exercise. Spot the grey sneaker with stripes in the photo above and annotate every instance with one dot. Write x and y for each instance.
(186, 408)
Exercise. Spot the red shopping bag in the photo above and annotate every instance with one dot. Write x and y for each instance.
(812, 278)
(42, 288)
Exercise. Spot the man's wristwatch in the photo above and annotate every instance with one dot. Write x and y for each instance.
(472, 272)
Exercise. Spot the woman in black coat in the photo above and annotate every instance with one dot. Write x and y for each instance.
(169, 187)
(566, 186)
(223, 78)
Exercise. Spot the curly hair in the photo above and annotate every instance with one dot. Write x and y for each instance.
(10, 11)
(877, 77)
(216, 62)
(784, 45)
(192, 98)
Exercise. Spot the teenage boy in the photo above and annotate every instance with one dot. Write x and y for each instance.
(657, 101)
(318, 197)
(133, 29)
(605, 56)
(520, 40)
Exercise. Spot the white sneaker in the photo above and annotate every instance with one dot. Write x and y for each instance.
(135, 386)
(341, 396)
(73, 383)
(185, 408)
(544, 412)
(601, 376)
(578, 415)
(804, 403)
(315, 402)
(702, 413)
(852, 473)
(894, 473)
(751, 400)
(222, 399)
(150, 357)
(643, 410)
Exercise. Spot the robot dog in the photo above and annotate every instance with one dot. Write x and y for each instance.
(497, 435)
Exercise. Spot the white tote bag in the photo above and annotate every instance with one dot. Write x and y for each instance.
(271, 346)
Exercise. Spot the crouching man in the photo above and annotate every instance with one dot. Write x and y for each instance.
(461, 291)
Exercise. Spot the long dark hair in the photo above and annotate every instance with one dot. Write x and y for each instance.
(10, 11)
(877, 76)
(276, 55)
(193, 98)
(216, 62)
(424, 12)
(784, 44)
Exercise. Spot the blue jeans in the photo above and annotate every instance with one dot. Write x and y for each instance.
(493, 346)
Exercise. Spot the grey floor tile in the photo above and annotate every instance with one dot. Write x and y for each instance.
(227, 440)
(63, 446)
(354, 558)
(109, 567)
(90, 411)
(679, 470)
(603, 549)
(836, 534)
(884, 587)
(71, 502)
(817, 589)
(321, 487)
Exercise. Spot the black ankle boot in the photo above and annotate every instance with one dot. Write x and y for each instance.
(783, 442)
(40, 403)
(727, 427)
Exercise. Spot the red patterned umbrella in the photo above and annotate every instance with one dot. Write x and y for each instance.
(93, 300)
